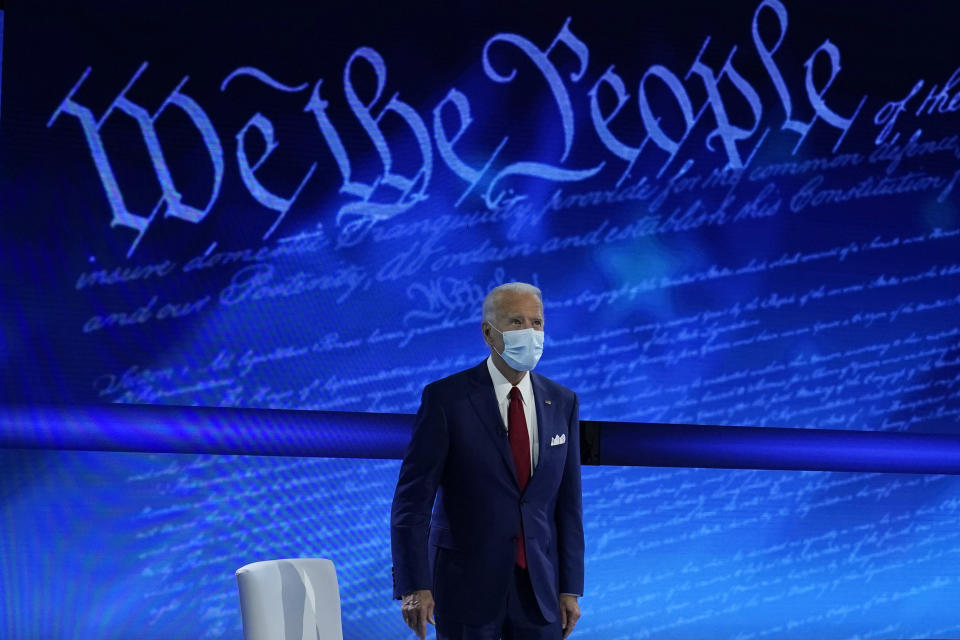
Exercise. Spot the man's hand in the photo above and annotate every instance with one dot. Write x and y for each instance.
(417, 610)
(569, 613)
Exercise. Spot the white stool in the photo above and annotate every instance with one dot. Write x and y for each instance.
(293, 599)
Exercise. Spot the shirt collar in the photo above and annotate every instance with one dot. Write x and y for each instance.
(501, 386)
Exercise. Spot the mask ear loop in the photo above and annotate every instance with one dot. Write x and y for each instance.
(499, 353)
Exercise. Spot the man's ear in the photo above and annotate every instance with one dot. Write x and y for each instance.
(487, 329)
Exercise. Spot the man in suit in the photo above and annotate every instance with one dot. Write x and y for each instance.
(495, 454)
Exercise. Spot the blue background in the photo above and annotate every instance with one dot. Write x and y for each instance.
(776, 312)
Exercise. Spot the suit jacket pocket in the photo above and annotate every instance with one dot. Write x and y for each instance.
(443, 538)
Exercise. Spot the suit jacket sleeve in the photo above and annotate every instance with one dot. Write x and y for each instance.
(413, 499)
(569, 513)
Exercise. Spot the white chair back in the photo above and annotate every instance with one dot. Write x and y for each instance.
(292, 599)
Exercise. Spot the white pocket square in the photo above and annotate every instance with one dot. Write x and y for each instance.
(558, 439)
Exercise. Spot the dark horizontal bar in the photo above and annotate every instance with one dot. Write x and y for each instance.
(176, 429)
(339, 434)
(684, 445)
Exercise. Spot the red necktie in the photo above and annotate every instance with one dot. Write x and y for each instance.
(520, 447)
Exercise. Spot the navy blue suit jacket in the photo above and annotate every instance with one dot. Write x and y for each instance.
(459, 464)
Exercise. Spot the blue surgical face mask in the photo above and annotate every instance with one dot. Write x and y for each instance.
(522, 348)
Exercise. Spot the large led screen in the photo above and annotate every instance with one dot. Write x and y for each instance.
(739, 213)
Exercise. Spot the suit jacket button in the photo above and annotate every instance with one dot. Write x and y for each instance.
(523, 502)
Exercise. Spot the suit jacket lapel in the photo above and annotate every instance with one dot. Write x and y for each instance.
(484, 401)
(545, 420)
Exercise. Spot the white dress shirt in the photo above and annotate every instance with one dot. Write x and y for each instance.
(501, 388)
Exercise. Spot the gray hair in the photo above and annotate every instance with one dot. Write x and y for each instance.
(491, 304)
